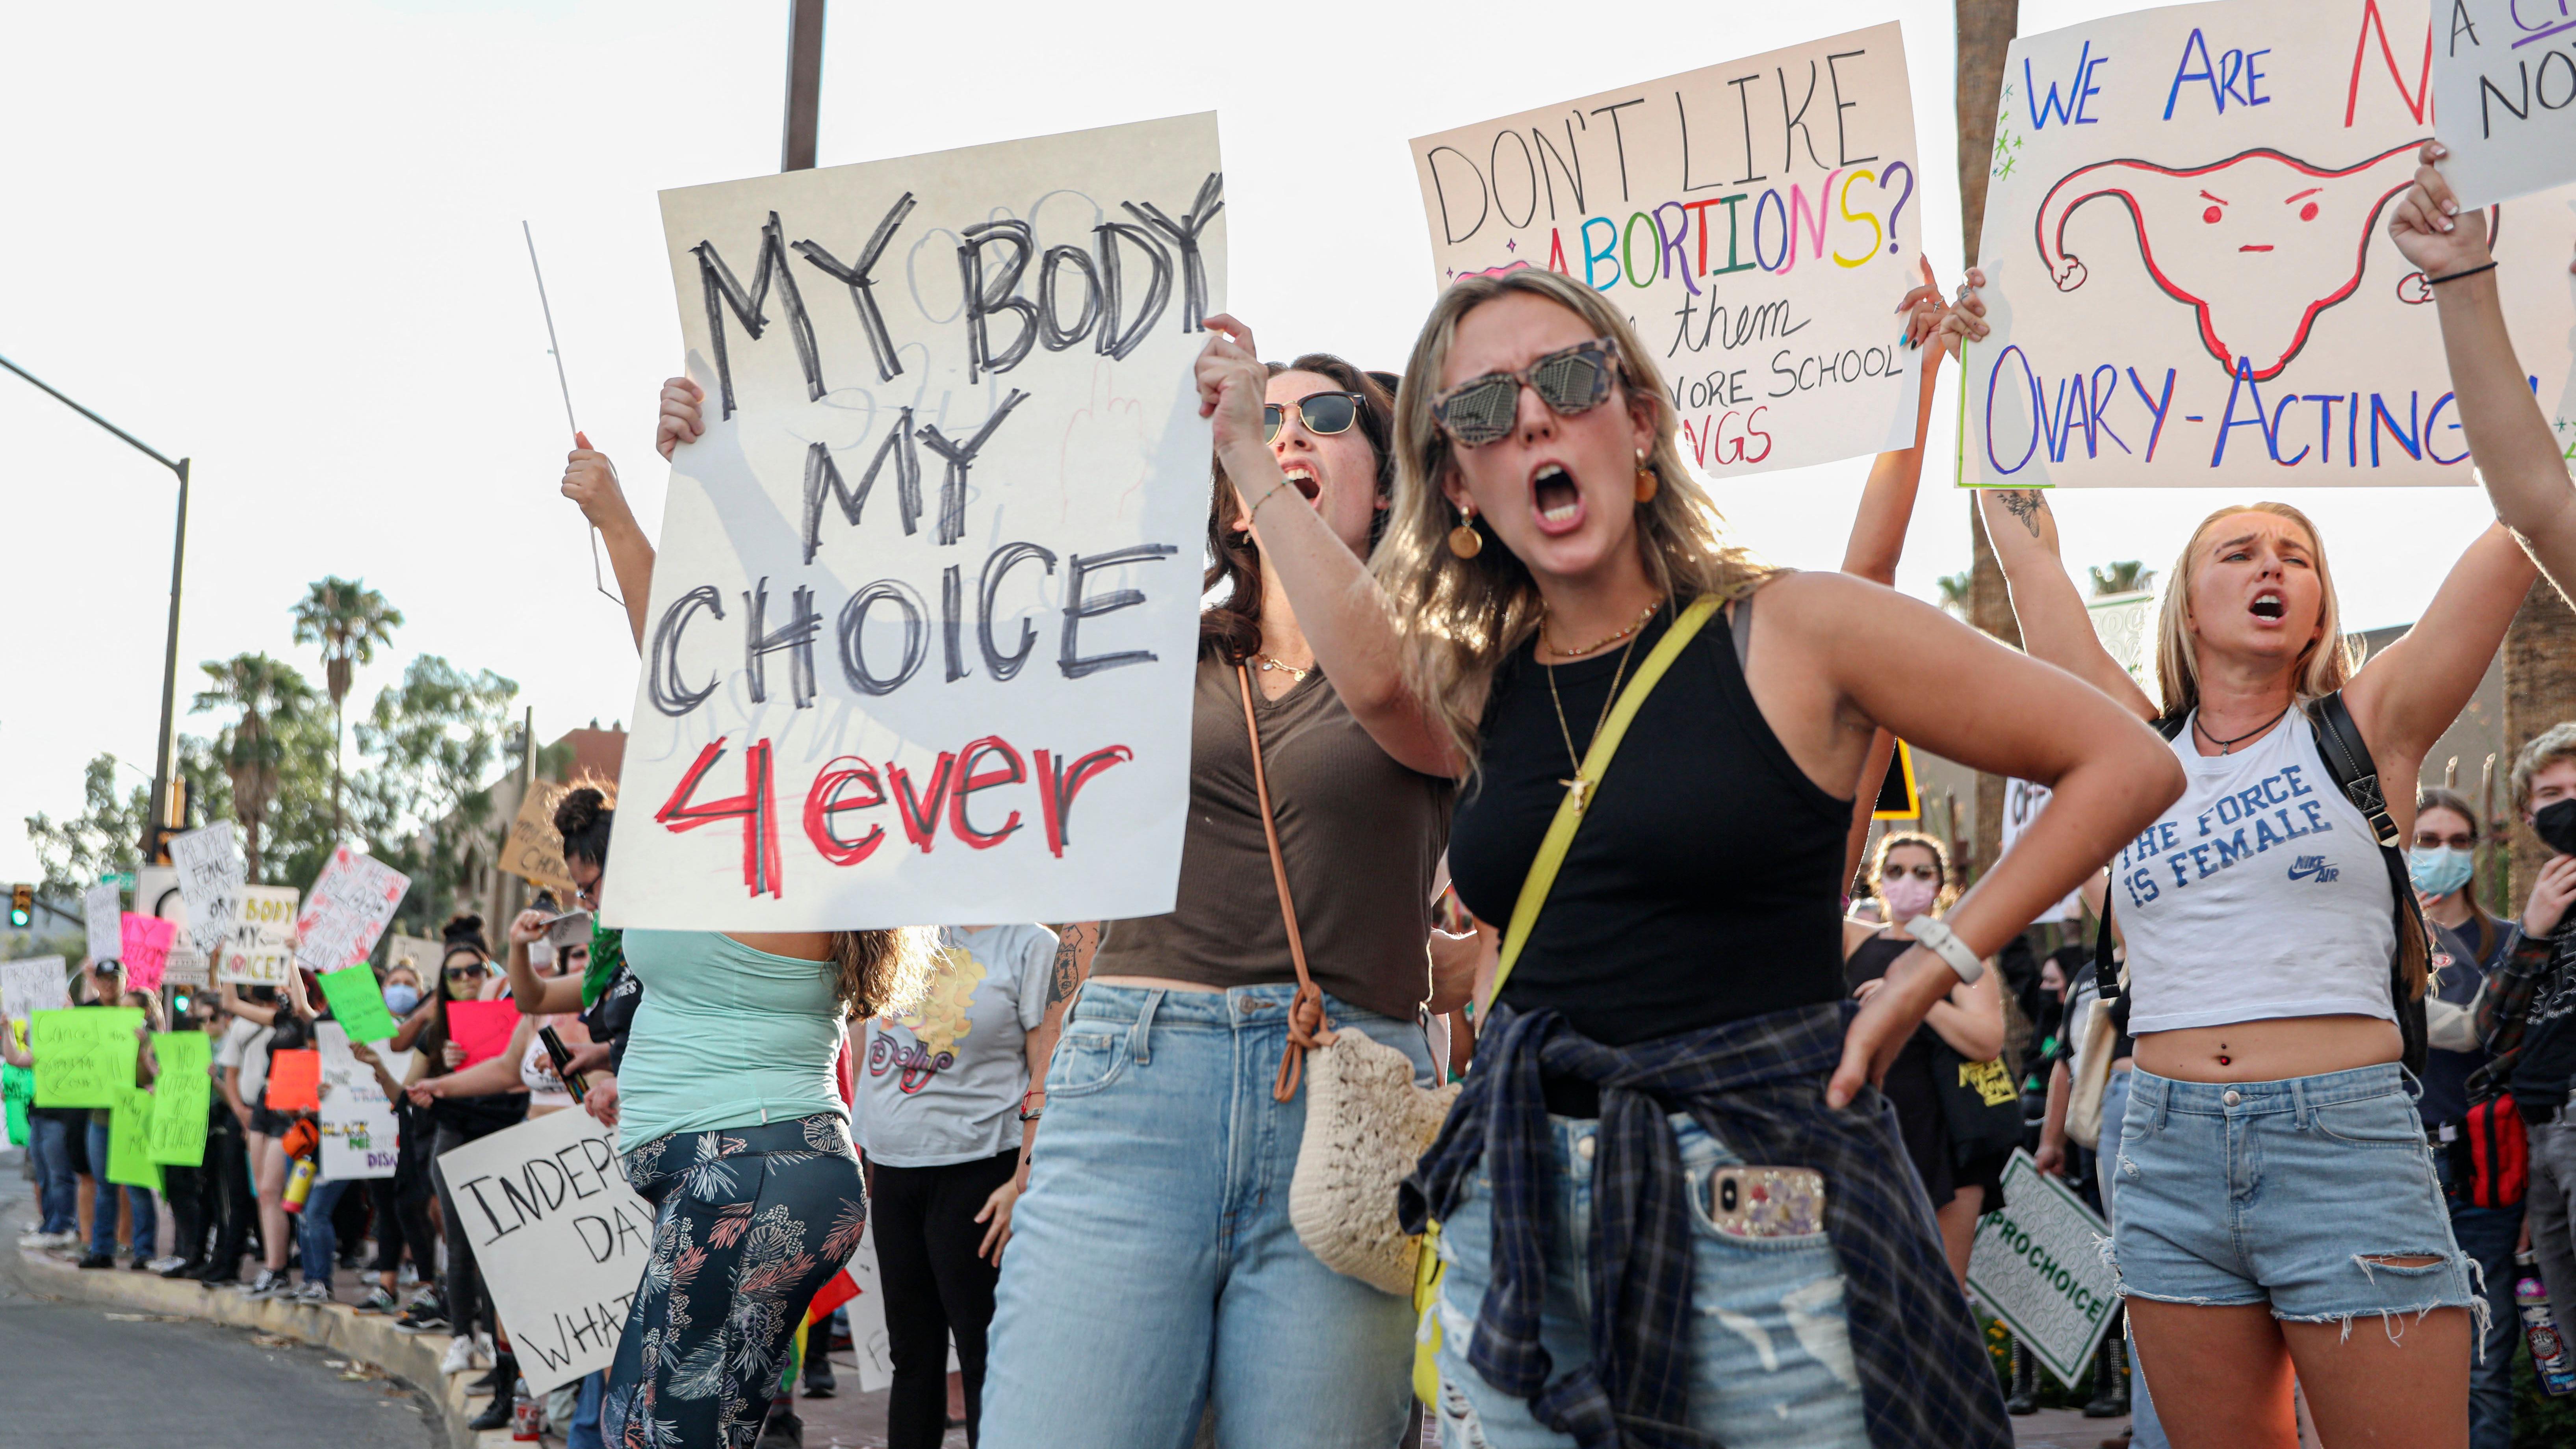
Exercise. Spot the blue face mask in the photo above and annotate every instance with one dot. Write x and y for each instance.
(400, 999)
(2440, 870)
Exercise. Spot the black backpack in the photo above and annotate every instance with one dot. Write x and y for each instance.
(2347, 760)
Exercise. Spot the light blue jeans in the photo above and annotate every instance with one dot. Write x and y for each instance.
(1770, 1353)
(1152, 1270)
(316, 1240)
(145, 1227)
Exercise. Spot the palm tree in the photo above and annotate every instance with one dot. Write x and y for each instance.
(348, 620)
(1955, 589)
(1985, 30)
(266, 691)
(2128, 576)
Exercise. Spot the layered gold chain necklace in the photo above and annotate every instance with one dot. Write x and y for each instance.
(1578, 787)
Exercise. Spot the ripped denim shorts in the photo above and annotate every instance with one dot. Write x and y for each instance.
(2295, 1193)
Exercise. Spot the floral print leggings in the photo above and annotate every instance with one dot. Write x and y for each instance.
(748, 1223)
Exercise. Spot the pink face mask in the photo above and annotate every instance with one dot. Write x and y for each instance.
(1907, 897)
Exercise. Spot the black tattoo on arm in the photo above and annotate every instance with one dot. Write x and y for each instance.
(1065, 977)
(2026, 504)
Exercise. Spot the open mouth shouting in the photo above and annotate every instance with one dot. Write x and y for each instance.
(2267, 606)
(1303, 475)
(1555, 502)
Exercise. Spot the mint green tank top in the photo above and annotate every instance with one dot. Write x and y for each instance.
(726, 1036)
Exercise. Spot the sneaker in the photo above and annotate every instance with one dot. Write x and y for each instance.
(495, 1415)
(267, 1285)
(379, 1301)
(460, 1356)
(182, 1268)
(217, 1278)
(420, 1321)
(164, 1263)
(313, 1293)
(97, 1260)
(409, 1277)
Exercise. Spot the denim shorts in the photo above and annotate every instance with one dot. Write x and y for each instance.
(1770, 1363)
(2292, 1193)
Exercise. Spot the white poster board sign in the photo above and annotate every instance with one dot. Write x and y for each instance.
(1756, 220)
(361, 1136)
(2036, 1265)
(261, 949)
(955, 487)
(157, 892)
(2023, 800)
(209, 862)
(103, 916)
(2504, 85)
(2188, 264)
(34, 984)
(561, 1238)
(346, 911)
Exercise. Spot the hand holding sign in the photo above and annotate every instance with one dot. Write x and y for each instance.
(146, 949)
(481, 1028)
(346, 911)
(84, 1056)
(358, 1003)
(101, 907)
(2502, 82)
(209, 862)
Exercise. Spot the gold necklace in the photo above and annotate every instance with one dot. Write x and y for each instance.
(1579, 788)
(1598, 645)
(1295, 675)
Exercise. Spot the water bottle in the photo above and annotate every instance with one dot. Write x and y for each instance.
(299, 1184)
(2548, 1350)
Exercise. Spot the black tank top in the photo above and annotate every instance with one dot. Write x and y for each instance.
(1704, 885)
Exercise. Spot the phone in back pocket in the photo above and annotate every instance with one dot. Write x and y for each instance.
(1766, 1202)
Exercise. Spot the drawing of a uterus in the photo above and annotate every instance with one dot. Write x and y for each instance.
(2257, 244)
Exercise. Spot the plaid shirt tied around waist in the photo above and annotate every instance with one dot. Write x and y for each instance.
(1758, 1086)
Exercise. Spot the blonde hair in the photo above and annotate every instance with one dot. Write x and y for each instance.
(1465, 616)
(1948, 894)
(2325, 666)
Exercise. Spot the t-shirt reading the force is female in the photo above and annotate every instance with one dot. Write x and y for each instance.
(942, 1083)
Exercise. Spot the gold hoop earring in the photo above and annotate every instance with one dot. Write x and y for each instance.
(1464, 541)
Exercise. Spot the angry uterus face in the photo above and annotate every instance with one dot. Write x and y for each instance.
(2257, 244)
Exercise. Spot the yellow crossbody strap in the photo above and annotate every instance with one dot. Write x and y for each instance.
(1596, 763)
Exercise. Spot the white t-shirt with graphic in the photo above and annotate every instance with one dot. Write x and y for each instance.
(942, 1083)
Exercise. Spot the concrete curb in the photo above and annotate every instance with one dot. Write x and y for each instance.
(411, 1357)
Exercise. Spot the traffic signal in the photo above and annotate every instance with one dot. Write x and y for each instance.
(22, 906)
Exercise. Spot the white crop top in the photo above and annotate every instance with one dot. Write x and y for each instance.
(2261, 894)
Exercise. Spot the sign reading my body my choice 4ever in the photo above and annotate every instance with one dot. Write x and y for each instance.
(1756, 220)
(2188, 264)
(924, 616)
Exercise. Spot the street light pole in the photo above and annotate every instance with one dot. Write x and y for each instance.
(804, 83)
(170, 644)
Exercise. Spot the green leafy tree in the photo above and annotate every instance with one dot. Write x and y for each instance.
(1954, 592)
(252, 749)
(348, 620)
(102, 838)
(433, 743)
(2128, 576)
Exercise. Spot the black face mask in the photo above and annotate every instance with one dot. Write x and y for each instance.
(2555, 823)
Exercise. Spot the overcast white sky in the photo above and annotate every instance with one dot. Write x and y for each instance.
(283, 239)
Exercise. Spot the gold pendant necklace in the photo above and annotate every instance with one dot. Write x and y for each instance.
(1294, 674)
(1579, 789)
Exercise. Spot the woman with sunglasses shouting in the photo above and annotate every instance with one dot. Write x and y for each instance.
(1669, 1195)
(1172, 1106)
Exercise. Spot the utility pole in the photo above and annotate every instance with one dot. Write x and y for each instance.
(166, 810)
(804, 83)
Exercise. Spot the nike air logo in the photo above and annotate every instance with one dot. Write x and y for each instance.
(2314, 867)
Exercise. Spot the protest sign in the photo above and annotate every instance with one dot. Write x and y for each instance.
(560, 1237)
(420, 953)
(1756, 220)
(84, 1056)
(157, 893)
(146, 949)
(102, 910)
(2504, 85)
(294, 1080)
(533, 849)
(129, 1142)
(2188, 265)
(209, 862)
(483, 1028)
(359, 1002)
(32, 985)
(2023, 800)
(360, 1134)
(974, 705)
(17, 1093)
(2036, 1265)
(346, 910)
(261, 948)
(181, 1096)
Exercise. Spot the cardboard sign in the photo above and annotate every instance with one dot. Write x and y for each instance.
(361, 1132)
(561, 1238)
(157, 893)
(129, 1141)
(924, 619)
(294, 1080)
(2504, 84)
(2188, 264)
(346, 911)
(84, 1056)
(146, 949)
(102, 912)
(261, 949)
(420, 953)
(533, 850)
(2035, 1266)
(483, 1028)
(32, 985)
(1756, 220)
(209, 862)
(359, 1003)
(181, 1096)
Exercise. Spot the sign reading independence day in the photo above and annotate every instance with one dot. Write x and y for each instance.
(1756, 220)
(2188, 264)
(924, 617)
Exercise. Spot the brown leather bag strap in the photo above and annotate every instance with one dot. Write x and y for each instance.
(1306, 1010)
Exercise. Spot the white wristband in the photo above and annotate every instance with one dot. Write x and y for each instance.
(1945, 943)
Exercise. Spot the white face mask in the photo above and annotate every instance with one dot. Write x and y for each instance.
(1907, 896)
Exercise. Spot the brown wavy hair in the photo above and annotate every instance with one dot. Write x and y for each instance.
(881, 971)
(1230, 629)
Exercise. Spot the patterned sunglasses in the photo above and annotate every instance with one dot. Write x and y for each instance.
(1571, 382)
